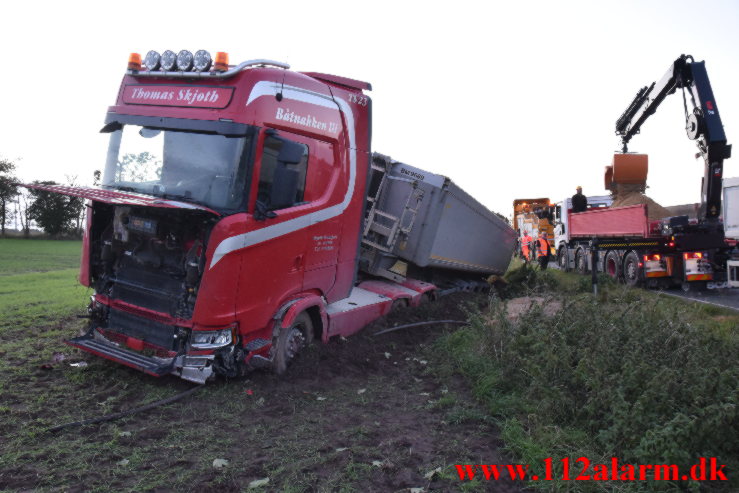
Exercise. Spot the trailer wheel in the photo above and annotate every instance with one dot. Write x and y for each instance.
(613, 265)
(292, 340)
(562, 259)
(631, 271)
(581, 261)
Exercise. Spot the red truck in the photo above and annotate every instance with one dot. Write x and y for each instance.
(242, 214)
(672, 250)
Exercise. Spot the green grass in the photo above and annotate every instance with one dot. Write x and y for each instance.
(38, 282)
(19, 256)
(631, 374)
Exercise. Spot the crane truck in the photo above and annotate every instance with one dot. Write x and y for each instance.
(242, 214)
(626, 243)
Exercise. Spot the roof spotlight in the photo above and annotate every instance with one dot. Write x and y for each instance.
(184, 61)
(152, 60)
(168, 60)
(202, 61)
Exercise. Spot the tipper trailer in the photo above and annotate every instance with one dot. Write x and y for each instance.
(242, 214)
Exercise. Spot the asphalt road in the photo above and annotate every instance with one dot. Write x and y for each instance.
(728, 298)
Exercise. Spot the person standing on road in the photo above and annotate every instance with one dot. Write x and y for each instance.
(526, 241)
(579, 201)
(543, 251)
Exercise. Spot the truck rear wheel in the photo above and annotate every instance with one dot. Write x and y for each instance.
(292, 340)
(631, 270)
(613, 265)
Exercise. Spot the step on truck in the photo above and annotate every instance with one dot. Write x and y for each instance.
(672, 250)
(242, 214)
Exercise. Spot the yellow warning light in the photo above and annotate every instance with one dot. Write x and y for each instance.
(221, 61)
(134, 61)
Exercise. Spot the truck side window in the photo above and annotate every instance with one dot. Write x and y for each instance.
(270, 153)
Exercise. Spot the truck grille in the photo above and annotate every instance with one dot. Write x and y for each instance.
(147, 289)
(156, 333)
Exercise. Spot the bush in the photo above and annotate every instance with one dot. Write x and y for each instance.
(646, 382)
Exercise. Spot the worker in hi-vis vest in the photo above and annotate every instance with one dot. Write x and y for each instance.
(526, 246)
(543, 251)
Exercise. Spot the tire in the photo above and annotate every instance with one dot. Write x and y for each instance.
(631, 269)
(562, 260)
(581, 262)
(291, 341)
(398, 305)
(612, 265)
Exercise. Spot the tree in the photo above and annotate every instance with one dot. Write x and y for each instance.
(22, 203)
(8, 190)
(55, 213)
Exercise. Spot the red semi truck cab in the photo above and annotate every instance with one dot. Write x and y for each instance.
(226, 197)
(236, 212)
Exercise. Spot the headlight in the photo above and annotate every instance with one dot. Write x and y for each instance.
(168, 60)
(151, 62)
(184, 61)
(210, 339)
(202, 61)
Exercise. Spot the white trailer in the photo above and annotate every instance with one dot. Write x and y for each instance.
(731, 225)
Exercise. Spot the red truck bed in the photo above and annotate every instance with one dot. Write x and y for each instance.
(628, 221)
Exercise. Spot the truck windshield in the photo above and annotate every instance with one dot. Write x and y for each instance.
(207, 169)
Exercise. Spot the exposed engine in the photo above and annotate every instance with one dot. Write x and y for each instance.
(149, 258)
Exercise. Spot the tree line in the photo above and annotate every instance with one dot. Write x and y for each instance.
(57, 215)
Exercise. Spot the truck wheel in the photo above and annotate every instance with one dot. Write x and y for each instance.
(562, 259)
(613, 265)
(581, 261)
(292, 340)
(631, 271)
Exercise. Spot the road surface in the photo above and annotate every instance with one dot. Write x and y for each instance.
(728, 298)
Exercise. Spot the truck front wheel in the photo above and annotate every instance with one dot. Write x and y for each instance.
(562, 259)
(632, 270)
(292, 340)
(581, 261)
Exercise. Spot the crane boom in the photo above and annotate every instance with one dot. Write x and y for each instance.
(702, 124)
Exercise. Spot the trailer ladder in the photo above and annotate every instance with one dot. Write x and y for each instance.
(381, 228)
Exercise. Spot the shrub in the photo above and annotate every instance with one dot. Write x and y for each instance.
(646, 382)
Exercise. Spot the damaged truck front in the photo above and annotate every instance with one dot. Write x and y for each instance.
(236, 221)
(230, 205)
(166, 185)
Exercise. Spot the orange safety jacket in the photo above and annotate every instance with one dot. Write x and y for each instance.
(543, 247)
(525, 245)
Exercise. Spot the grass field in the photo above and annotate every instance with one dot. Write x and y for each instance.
(631, 374)
(363, 414)
(38, 281)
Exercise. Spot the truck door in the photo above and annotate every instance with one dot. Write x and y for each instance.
(274, 269)
(323, 241)
(305, 258)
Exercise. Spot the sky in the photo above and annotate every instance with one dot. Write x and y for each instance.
(509, 99)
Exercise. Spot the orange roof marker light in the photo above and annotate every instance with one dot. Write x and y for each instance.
(134, 61)
(221, 62)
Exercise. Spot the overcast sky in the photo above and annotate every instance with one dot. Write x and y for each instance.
(511, 100)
